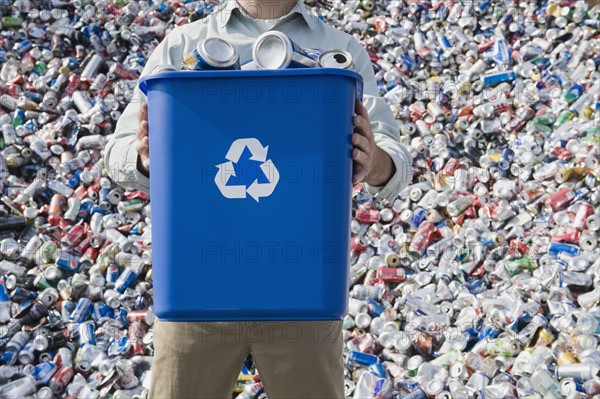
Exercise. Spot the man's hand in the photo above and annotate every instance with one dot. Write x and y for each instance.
(143, 163)
(371, 164)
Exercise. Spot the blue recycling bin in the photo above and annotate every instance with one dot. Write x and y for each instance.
(251, 193)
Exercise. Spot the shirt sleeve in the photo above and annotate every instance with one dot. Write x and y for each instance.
(384, 126)
(120, 156)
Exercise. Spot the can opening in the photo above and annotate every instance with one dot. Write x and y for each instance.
(340, 58)
(271, 52)
(219, 50)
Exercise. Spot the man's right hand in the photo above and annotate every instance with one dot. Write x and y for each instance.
(143, 162)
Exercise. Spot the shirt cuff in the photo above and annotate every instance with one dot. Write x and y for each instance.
(399, 180)
(134, 179)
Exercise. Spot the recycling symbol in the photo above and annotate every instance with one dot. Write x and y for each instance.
(247, 171)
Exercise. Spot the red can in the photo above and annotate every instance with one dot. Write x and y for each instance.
(560, 199)
(450, 167)
(570, 235)
(57, 204)
(582, 214)
(358, 245)
(74, 81)
(391, 274)
(145, 316)
(119, 71)
(80, 193)
(366, 214)
(61, 379)
(75, 235)
(421, 239)
(136, 332)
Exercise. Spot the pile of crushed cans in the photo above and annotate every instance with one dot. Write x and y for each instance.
(481, 280)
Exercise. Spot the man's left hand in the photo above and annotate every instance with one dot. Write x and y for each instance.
(371, 164)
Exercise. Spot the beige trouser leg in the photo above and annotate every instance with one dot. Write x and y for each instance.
(300, 359)
(196, 360)
(203, 360)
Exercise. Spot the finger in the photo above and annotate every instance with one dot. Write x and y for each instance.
(361, 142)
(359, 109)
(142, 130)
(360, 157)
(142, 147)
(358, 173)
(362, 126)
(143, 113)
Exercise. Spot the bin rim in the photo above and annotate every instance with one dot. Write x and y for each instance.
(143, 82)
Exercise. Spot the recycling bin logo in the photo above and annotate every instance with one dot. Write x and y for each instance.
(247, 171)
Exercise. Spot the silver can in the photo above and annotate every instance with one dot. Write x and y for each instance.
(336, 59)
(212, 53)
(275, 50)
(163, 68)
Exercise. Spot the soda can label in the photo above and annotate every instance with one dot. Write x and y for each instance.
(87, 334)
(557, 247)
(42, 373)
(101, 311)
(363, 359)
(68, 262)
(212, 53)
(125, 280)
(82, 310)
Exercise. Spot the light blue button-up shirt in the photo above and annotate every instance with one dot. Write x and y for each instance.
(232, 24)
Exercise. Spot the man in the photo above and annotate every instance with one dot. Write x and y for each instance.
(202, 360)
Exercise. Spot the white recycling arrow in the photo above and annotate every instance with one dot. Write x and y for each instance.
(259, 153)
(264, 190)
(226, 170)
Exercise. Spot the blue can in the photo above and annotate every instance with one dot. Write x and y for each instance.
(444, 42)
(103, 201)
(82, 311)
(67, 308)
(8, 357)
(361, 358)
(4, 297)
(482, 7)
(498, 77)
(375, 308)
(487, 331)
(85, 209)
(125, 280)
(37, 97)
(74, 179)
(418, 217)
(112, 274)
(43, 372)
(506, 19)
(87, 333)
(379, 370)
(212, 53)
(121, 317)
(101, 311)
(68, 262)
(119, 347)
(22, 47)
(556, 247)
(500, 53)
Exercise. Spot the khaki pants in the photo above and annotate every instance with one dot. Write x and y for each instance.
(299, 359)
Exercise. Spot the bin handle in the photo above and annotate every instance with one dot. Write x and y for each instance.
(359, 90)
(143, 85)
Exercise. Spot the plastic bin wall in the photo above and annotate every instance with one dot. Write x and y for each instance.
(251, 193)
